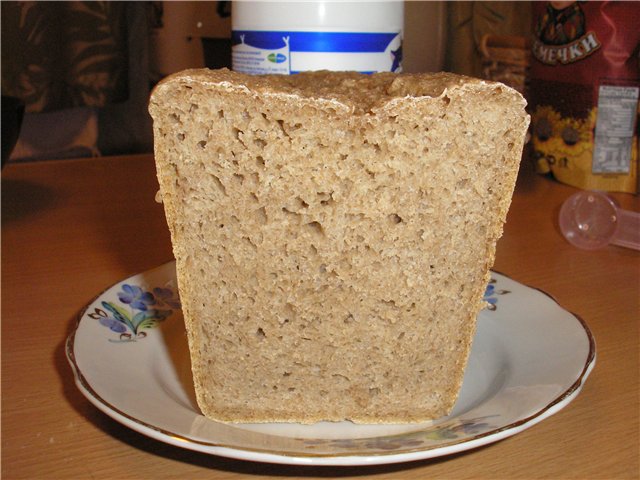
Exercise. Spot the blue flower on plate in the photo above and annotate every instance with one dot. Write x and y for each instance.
(167, 297)
(108, 321)
(136, 297)
(490, 295)
(138, 311)
(460, 428)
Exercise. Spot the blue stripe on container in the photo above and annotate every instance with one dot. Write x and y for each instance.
(344, 42)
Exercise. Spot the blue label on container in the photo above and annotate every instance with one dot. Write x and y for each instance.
(285, 52)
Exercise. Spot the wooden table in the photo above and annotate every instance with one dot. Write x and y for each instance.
(72, 228)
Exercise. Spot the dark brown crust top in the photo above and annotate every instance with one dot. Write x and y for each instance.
(350, 91)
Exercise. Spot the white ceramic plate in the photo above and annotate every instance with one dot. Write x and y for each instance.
(130, 358)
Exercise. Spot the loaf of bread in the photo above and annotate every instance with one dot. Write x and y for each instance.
(333, 235)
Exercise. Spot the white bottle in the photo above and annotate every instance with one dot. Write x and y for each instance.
(290, 37)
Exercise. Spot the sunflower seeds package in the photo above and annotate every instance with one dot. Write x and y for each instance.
(584, 90)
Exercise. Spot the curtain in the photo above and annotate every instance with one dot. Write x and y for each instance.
(81, 69)
(58, 55)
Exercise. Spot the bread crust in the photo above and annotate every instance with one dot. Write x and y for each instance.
(333, 235)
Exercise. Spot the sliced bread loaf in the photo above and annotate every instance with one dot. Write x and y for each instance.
(333, 235)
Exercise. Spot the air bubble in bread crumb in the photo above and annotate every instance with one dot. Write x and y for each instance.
(315, 228)
(395, 218)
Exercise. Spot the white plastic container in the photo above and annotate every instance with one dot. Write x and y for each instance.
(290, 37)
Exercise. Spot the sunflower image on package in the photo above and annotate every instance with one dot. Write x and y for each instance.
(585, 85)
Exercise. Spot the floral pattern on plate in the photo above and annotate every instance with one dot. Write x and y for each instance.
(453, 430)
(139, 310)
(490, 295)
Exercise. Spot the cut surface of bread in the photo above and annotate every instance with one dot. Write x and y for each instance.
(333, 235)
